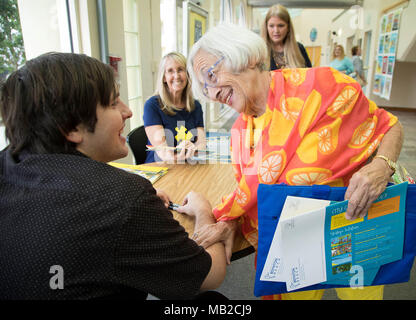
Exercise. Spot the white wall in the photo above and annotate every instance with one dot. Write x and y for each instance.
(213, 7)
(407, 37)
(321, 19)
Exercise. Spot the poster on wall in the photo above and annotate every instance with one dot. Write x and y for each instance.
(198, 25)
(195, 24)
(386, 53)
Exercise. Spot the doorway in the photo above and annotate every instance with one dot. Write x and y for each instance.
(314, 54)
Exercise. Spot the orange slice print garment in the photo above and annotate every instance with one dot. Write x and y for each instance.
(318, 128)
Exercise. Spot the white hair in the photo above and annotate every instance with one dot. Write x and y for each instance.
(239, 46)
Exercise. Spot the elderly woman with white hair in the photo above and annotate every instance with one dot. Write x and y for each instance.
(296, 126)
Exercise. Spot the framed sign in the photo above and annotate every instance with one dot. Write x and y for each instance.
(195, 24)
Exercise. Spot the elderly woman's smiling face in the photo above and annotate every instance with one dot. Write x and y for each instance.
(221, 85)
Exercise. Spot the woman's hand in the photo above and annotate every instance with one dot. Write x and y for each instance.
(163, 196)
(195, 205)
(187, 150)
(365, 187)
(223, 231)
(207, 232)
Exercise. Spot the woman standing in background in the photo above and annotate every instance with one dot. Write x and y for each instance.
(279, 34)
(358, 66)
(341, 62)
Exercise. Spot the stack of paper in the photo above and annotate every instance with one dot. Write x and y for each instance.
(218, 150)
(314, 242)
(219, 147)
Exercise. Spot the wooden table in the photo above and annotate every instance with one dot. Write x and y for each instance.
(212, 180)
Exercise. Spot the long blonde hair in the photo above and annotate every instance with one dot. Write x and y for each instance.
(162, 89)
(342, 52)
(293, 56)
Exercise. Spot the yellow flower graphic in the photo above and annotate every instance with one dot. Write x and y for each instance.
(182, 134)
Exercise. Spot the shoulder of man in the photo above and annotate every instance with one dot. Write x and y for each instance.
(98, 178)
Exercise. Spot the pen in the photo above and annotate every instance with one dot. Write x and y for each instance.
(173, 206)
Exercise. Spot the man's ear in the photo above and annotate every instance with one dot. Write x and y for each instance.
(75, 136)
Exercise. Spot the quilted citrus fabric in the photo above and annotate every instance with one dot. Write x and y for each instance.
(318, 128)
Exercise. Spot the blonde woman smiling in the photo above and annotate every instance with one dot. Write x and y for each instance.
(340, 61)
(172, 118)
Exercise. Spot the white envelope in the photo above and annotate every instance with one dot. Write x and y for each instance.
(303, 249)
(273, 269)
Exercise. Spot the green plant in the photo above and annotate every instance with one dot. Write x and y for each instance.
(12, 51)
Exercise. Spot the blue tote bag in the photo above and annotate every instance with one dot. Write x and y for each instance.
(271, 199)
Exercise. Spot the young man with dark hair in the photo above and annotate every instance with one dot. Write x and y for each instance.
(71, 226)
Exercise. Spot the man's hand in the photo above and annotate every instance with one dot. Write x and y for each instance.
(163, 196)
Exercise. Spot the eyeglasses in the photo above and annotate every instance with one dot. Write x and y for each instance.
(210, 79)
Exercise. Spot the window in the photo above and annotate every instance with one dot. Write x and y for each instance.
(131, 38)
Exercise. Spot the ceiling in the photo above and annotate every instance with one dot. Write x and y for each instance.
(323, 4)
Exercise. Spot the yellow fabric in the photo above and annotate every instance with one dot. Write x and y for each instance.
(367, 293)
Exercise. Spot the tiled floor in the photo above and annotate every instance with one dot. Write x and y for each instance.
(239, 282)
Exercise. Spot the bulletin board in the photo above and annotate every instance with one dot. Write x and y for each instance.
(386, 53)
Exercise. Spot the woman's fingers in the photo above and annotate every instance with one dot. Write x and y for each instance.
(229, 244)
(213, 233)
(364, 188)
(186, 150)
(358, 204)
